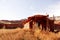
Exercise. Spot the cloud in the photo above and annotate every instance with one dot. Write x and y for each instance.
(54, 9)
(32, 8)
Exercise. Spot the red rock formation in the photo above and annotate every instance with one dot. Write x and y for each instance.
(41, 19)
(12, 26)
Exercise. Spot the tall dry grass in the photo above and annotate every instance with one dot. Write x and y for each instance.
(22, 34)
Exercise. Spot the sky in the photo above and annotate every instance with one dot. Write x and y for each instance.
(20, 9)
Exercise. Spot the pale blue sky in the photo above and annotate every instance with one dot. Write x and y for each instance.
(19, 9)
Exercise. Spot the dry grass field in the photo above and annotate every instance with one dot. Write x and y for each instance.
(23, 34)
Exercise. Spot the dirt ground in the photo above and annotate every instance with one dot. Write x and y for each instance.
(26, 34)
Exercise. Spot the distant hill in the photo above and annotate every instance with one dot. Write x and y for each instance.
(57, 19)
(12, 21)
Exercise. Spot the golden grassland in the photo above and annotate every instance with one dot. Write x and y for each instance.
(22, 34)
